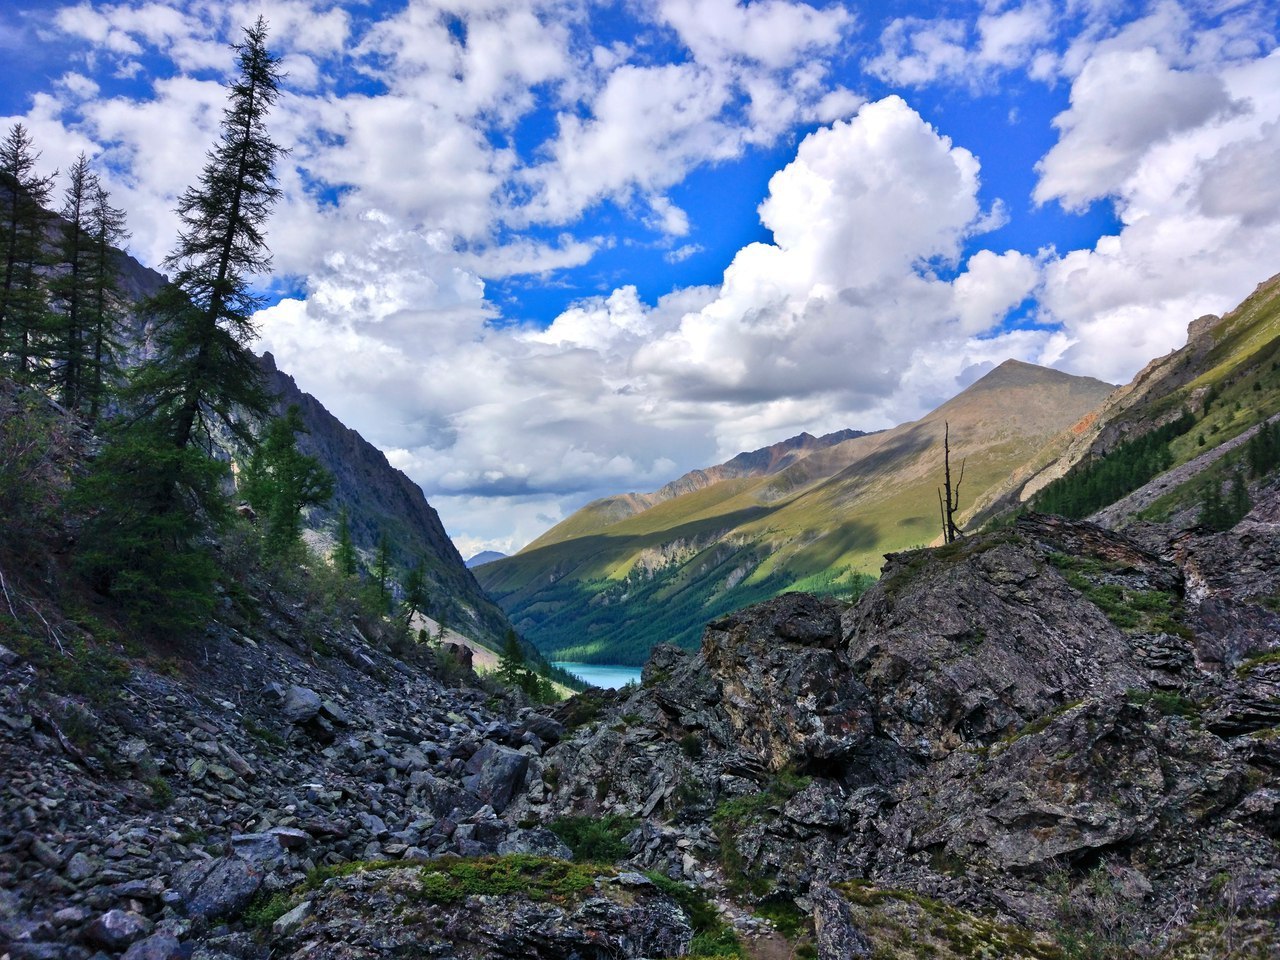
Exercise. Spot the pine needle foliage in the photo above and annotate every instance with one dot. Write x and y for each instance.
(23, 299)
(280, 481)
(82, 333)
(156, 489)
(203, 369)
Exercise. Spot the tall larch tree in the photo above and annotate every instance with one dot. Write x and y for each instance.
(156, 486)
(203, 369)
(70, 290)
(23, 198)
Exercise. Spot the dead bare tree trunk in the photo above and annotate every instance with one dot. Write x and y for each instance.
(949, 501)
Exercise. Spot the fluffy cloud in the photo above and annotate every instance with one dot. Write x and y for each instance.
(1123, 104)
(1198, 223)
(916, 51)
(771, 32)
(845, 298)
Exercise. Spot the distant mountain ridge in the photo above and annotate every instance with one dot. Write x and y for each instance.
(815, 514)
(484, 556)
(753, 463)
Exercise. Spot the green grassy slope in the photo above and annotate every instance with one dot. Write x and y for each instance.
(607, 591)
(1227, 379)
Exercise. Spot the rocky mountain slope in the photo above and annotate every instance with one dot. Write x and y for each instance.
(381, 500)
(1225, 377)
(626, 573)
(1050, 741)
(378, 498)
(597, 516)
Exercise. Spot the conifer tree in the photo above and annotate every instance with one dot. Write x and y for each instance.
(511, 661)
(415, 589)
(344, 555)
(203, 369)
(156, 486)
(70, 290)
(382, 573)
(280, 481)
(23, 198)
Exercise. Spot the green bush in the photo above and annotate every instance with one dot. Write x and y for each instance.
(29, 471)
(597, 839)
(161, 791)
(266, 908)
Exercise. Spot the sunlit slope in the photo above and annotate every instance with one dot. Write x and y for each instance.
(602, 513)
(1227, 376)
(607, 589)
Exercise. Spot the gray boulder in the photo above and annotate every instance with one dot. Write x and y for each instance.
(211, 889)
(300, 704)
(495, 773)
(159, 946)
(116, 929)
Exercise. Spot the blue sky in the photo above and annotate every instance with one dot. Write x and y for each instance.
(540, 251)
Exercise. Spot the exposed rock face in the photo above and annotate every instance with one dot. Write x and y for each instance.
(967, 643)
(834, 930)
(1021, 706)
(785, 684)
(383, 913)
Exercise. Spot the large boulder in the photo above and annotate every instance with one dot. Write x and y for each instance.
(223, 887)
(1094, 777)
(495, 773)
(301, 704)
(785, 683)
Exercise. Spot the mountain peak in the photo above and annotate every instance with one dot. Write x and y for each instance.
(1019, 373)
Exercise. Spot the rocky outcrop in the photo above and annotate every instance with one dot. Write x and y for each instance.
(992, 725)
(786, 689)
(386, 913)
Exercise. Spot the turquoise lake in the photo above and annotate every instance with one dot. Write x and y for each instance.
(605, 675)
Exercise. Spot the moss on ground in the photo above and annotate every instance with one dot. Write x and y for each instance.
(451, 879)
(902, 924)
